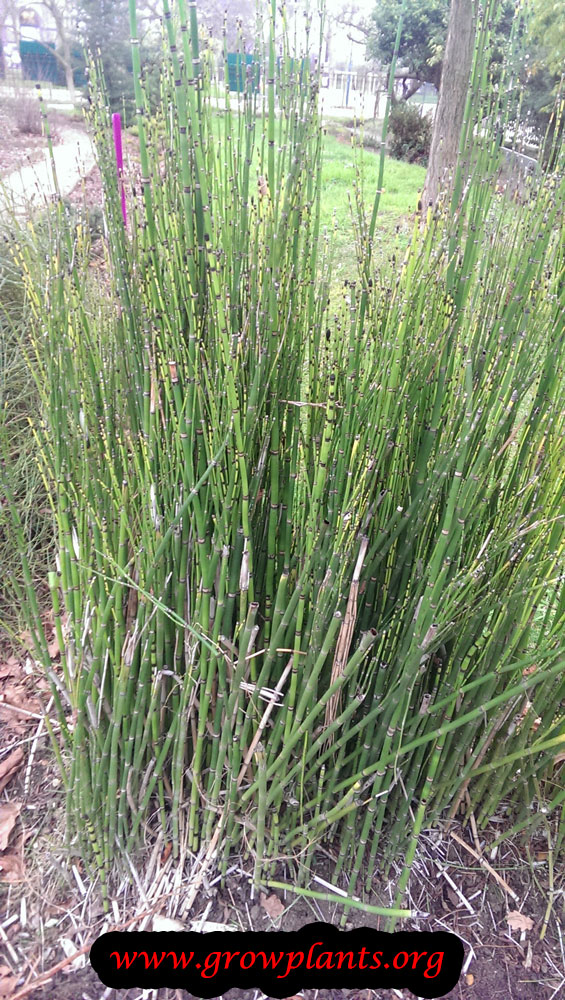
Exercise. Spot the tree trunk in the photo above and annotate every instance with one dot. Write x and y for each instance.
(452, 97)
(68, 64)
(63, 51)
(70, 81)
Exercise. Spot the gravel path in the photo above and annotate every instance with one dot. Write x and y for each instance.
(31, 187)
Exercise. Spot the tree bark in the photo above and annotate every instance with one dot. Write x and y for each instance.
(448, 121)
(68, 64)
(63, 52)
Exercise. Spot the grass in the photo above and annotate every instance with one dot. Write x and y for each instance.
(18, 402)
(402, 185)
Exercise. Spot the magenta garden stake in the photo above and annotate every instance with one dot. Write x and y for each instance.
(117, 127)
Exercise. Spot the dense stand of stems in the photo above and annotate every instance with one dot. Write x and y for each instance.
(310, 548)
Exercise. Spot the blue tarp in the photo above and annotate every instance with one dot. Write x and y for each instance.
(40, 63)
(243, 72)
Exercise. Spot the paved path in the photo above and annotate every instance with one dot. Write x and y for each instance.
(29, 188)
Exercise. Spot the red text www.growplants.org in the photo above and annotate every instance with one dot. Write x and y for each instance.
(280, 963)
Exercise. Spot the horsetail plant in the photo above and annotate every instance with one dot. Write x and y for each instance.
(303, 545)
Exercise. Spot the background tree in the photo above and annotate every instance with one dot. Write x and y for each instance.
(421, 53)
(448, 119)
(422, 42)
(542, 62)
(64, 15)
(547, 35)
(104, 26)
(351, 16)
(9, 31)
(105, 30)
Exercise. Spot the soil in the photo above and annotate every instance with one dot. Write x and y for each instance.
(492, 981)
(20, 148)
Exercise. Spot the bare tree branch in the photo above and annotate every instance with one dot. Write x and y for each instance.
(360, 27)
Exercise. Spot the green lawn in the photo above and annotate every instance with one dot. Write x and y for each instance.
(402, 185)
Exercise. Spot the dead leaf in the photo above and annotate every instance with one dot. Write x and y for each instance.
(272, 905)
(53, 648)
(519, 921)
(9, 812)
(16, 694)
(9, 766)
(26, 640)
(11, 868)
(11, 668)
(13, 722)
(469, 979)
(8, 982)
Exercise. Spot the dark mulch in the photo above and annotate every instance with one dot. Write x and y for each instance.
(494, 979)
